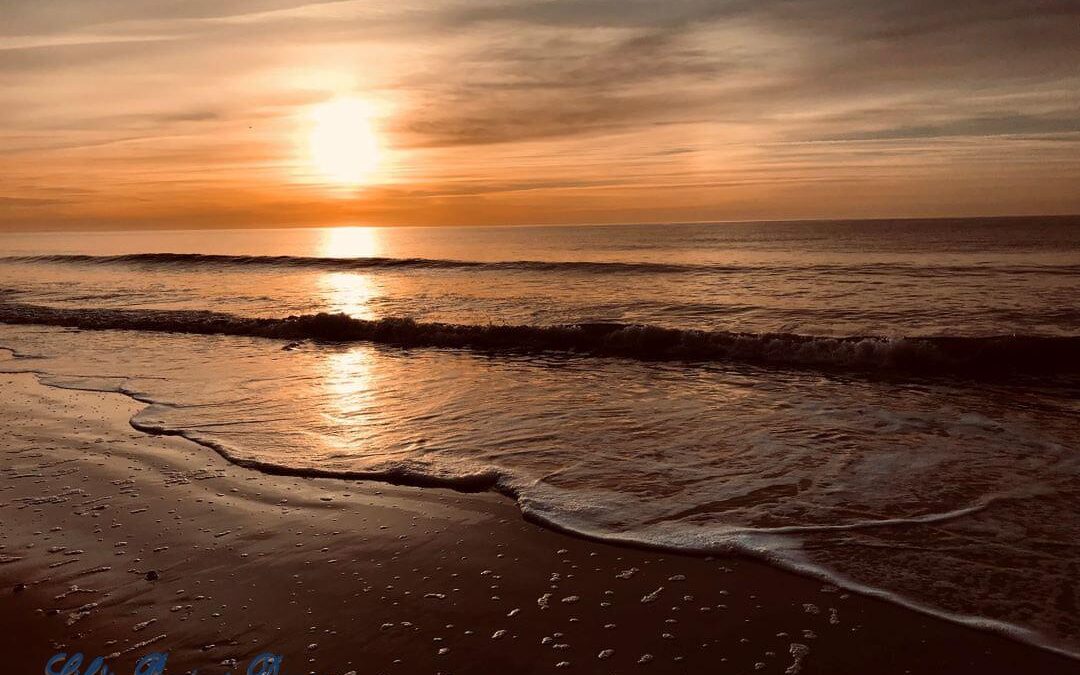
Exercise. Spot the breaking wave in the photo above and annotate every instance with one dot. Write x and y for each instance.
(200, 260)
(976, 357)
(191, 260)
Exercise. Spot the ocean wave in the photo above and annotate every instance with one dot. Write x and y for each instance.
(191, 260)
(975, 357)
(201, 260)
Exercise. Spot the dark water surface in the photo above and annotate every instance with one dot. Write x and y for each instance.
(892, 405)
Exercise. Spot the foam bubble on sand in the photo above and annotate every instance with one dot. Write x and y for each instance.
(798, 652)
(651, 597)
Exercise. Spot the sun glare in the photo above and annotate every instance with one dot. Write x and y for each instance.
(342, 143)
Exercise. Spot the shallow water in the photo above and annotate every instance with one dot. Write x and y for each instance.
(933, 484)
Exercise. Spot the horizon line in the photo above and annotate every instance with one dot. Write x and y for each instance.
(646, 223)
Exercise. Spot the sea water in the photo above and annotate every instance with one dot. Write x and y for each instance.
(890, 405)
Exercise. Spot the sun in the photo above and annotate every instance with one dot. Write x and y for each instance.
(342, 144)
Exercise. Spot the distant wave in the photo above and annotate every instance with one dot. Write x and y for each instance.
(977, 357)
(196, 260)
(189, 260)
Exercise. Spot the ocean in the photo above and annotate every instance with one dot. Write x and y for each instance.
(890, 406)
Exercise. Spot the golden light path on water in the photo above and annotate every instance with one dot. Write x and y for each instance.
(347, 379)
(349, 292)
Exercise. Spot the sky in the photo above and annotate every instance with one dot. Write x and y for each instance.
(201, 113)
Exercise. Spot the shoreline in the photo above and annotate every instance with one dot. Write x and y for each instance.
(494, 484)
(420, 570)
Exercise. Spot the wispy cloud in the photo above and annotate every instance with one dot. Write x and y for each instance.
(733, 107)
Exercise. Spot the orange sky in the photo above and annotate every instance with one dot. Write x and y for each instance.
(198, 113)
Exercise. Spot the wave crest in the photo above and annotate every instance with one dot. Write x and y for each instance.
(189, 260)
(196, 260)
(977, 357)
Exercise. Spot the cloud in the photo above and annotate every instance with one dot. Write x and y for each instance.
(598, 66)
(66, 16)
(531, 97)
(560, 86)
(1012, 125)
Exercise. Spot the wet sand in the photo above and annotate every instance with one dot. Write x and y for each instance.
(116, 544)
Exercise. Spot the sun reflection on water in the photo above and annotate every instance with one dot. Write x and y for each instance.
(347, 378)
(349, 292)
(348, 381)
(351, 242)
